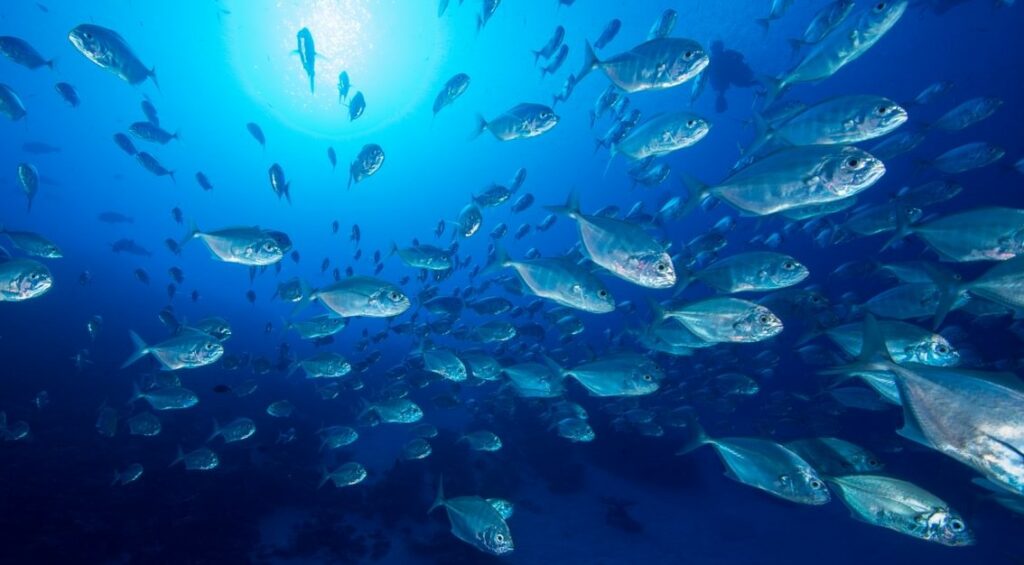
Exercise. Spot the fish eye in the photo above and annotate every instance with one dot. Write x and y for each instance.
(499, 537)
(853, 163)
(789, 265)
(942, 349)
(602, 293)
(872, 462)
(815, 484)
(688, 55)
(763, 318)
(880, 6)
(957, 525)
(394, 296)
(691, 123)
(208, 346)
(660, 267)
(648, 378)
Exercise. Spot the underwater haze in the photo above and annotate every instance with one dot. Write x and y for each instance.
(533, 281)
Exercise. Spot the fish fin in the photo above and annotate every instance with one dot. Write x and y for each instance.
(171, 174)
(571, 207)
(117, 478)
(216, 431)
(903, 229)
(773, 88)
(682, 282)
(501, 260)
(698, 439)
(439, 497)
(193, 231)
(762, 134)
(306, 298)
(874, 355)
(481, 125)
(179, 458)
(324, 477)
(554, 366)
(152, 75)
(697, 192)
(590, 62)
(141, 349)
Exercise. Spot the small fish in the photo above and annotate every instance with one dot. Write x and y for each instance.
(306, 51)
(551, 46)
(332, 157)
(451, 90)
(519, 122)
(68, 93)
(150, 163)
(664, 26)
(278, 183)
(475, 521)
(202, 459)
(22, 53)
(344, 85)
(203, 181)
(366, 164)
(189, 350)
(356, 107)
(10, 104)
(611, 29)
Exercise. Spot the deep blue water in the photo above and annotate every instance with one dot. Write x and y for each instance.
(623, 498)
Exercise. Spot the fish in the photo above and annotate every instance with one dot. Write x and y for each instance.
(486, 13)
(306, 51)
(562, 282)
(22, 53)
(239, 429)
(825, 20)
(551, 46)
(129, 475)
(249, 246)
(664, 25)
(522, 121)
(662, 134)
(845, 44)
(475, 521)
(766, 465)
(424, 256)
(750, 271)
(966, 114)
(68, 93)
(624, 249)
(149, 132)
(323, 366)
(656, 64)
(903, 507)
(151, 164)
(189, 350)
(610, 31)
(165, 398)
(555, 62)
(360, 296)
(32, 243)
(356, 107)
(28, 179)
(203, 181)
(777, 9)
(727, 320)
(23, 279)
(795, 177)
(344, 85)
(108, 50)
(257, 133)
(980, 234)
(617, 375)
(968, 157)
(346, 475)
(130, 247)
(835, 457)
(840, 120)
(278, 183)
(201, 459)
(366, 164)
(10, 104)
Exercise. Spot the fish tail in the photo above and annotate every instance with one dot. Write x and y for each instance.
(311, 84)
(180, 457)
(697, 190)
(481, 125)
(171, 174)
(684, 282)
(773, 88)
(141, 349)
(554, 366)
(307, 297)
(571, 207)
(536, 57)
(324, 476)
(216, 431)
(590, 61)
(439, 497)
(152, 75)
(117, 476)
(903, 229)
(698, 439)
(874, 355)
(193, 231)
(50, 63)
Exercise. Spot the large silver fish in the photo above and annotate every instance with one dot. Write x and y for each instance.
(360, 296)
(110, 51)
(475, 521)
(653, 65)
(662, 135)
(250, 246)
(561, 281)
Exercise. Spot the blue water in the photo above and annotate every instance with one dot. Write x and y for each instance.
(623, 498)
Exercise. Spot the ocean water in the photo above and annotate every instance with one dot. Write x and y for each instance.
(625, 496)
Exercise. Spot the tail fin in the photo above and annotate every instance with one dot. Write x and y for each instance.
(697, 191)
(536, 56)
(571, 207)
(179, 458)
(193, 231)
(763, 133)
(141, 349)
(773, 88)
(590, 62)
(439, 497)
(216, 431)
(501, 260)
(481, 125)
(874, 355)
(697, 440)
(324, 476)
(684, 281)
(305, 298)
(117, 478)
